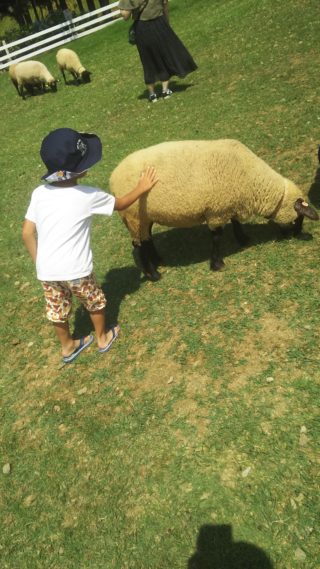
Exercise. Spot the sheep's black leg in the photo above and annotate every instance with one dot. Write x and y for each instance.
(143, 258)
(240, 236)
(297, 230)
(216, 262)
(153, 253)
(64, 77)
(15, 83)
(76, 77)
(297, 226)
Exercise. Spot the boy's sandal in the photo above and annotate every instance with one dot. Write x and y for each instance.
(115, 334)
(82, 346)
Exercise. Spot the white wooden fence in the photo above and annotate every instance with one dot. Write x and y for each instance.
(69, 30)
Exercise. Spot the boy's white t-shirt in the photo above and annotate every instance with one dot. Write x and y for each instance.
(63, 221)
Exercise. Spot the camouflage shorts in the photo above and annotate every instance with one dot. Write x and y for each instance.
(58, 296)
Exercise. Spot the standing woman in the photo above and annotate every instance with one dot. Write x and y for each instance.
(161, 52)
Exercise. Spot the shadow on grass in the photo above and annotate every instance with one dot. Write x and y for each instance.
(217, 550)
(177, 247)
(176, 88)
(314, 191)
(116, 285)
(182, 247)
(74, 83)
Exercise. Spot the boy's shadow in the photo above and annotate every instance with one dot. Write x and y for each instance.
(116, 285)
(217, 550)
(176, 88)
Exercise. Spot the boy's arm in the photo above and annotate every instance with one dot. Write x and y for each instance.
(29, 238)
(147, 180)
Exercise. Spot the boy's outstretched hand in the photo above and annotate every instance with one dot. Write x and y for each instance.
(148, 178)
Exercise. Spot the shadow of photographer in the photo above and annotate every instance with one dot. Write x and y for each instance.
(217, 550)
(314, 191)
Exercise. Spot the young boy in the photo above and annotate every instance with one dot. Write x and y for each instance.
(56, 233)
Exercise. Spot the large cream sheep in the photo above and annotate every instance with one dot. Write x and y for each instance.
(211, 182)
(68, 60)
(30, 75)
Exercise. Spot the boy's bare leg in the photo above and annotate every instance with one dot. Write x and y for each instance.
(99, 322)
(68, 344)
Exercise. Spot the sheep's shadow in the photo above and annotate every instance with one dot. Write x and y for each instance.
(74, 83)
(176, 88)
(36, 93)
(217, 550)
(314, 191)
(179, 246)
(116, 285)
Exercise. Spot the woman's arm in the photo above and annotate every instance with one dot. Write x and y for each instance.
(29, 238)
(147, 180)
(125, 14)
(166, 10)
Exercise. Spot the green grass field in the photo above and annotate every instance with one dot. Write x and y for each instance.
(192, 444)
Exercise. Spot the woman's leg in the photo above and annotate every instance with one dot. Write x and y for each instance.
(152, 94)
(166, 92)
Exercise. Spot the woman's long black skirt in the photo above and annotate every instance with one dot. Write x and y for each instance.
(161, 52)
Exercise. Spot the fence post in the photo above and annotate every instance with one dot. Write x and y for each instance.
(6, 50)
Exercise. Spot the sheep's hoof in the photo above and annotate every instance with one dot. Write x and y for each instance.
(154, 277)
(304, 236)
(217, 265)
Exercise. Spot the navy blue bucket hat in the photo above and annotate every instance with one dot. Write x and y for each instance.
(66, 153)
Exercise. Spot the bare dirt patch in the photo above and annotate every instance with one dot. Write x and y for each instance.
(254, 353)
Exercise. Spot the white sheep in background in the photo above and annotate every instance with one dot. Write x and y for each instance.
(68, 60)
(211, 182)
(30, 75)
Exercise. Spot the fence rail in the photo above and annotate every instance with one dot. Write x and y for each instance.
(71, 29)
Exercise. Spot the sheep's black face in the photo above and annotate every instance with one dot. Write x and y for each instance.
(85, 76)
(53, 86)
(304, 209)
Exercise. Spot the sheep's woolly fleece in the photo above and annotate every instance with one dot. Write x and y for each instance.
(29, 72)
(68, 59)
(202, 181)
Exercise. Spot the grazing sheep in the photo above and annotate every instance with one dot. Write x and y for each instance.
(68, 60)
(209, 182)
(30, 75)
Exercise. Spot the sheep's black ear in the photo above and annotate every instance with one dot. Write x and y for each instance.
(303, 208)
